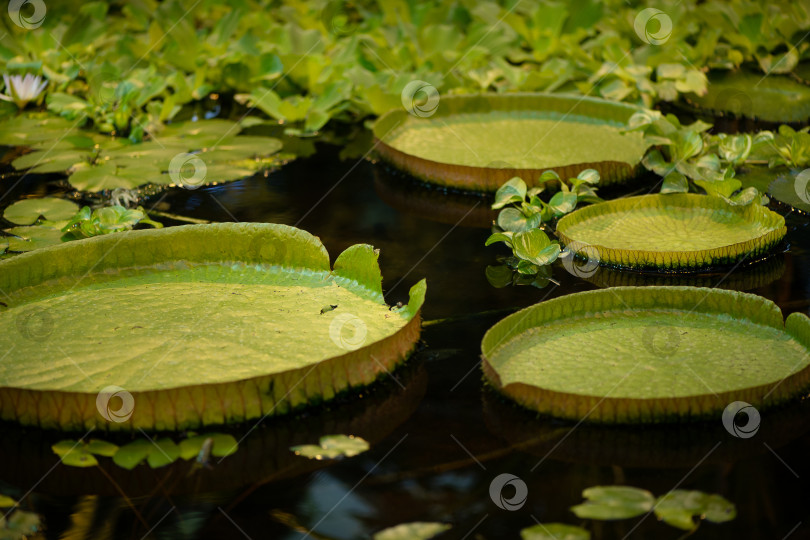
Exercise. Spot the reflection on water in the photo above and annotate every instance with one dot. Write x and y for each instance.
(434, 455)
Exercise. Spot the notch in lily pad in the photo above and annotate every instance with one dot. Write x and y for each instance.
(332, 447)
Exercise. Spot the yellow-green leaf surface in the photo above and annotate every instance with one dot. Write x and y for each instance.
(672, 231)
(772, 98)
(202, 324)
(648, 354)
(479, 142)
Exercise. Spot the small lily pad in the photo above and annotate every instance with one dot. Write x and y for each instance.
(332, 447)
(683, 509)
(34, 237)
(74, 454)
(554, 531)
(222, 445)
(614, 502)
(418, 530)
(6, 501)
(27, 211)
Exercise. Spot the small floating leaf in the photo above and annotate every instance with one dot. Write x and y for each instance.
(333, 446)
(74, 453)
(222, 445)
(7, 502)
(614, 502)
(683, 509)
(418, 530)
(554, 531)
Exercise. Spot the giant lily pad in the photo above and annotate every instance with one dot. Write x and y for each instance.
(479, 142)
(203, 324)
(772, 98)
(671, 231)
(648, 354)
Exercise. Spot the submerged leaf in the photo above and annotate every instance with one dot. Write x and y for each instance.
(554, 531)
(418, 530)
(332, 447)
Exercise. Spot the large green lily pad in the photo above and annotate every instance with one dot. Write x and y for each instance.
(671, 231)
(202, 324)
(648, 354)
(479, 142)
(772, 98)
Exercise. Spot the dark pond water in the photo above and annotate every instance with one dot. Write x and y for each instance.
(439, 438)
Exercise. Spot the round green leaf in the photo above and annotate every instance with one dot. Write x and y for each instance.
(27, 211)
(614, 502)
(240, 305)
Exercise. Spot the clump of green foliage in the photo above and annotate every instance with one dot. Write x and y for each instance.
(525, 219)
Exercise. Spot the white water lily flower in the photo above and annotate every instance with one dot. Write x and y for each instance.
(21, 90)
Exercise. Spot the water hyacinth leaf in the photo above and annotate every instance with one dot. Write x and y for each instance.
(264, 270)
(614, 502)
(499, 276)
(27, 211)
(418, 530)
(590, 176)
(554, 531)
(505, 237)
(563, 202)
(513, 220)
(513, 191)
(332, 447)
(535, 246)
(675, 182)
